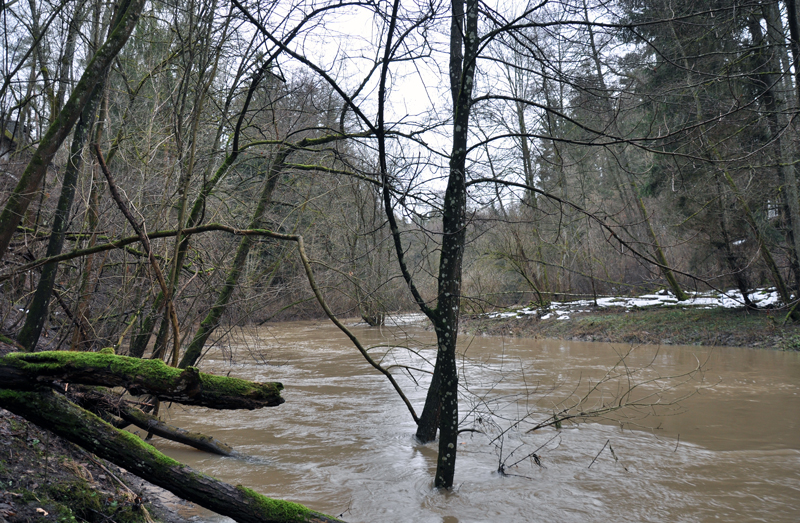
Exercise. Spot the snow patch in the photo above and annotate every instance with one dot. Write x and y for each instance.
(705, 300)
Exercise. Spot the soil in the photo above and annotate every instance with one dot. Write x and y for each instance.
(44, 478)
(763, 328)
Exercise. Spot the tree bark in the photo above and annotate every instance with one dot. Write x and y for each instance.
(26, 371)
(776, 109)
(429, 419)
(464, 44)
(57, 414)
(37, 313)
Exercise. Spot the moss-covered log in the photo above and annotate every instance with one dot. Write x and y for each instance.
(24, 371)
(53, 411)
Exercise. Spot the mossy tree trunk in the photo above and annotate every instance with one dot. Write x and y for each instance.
(54, 412)
(26, 371)
(59, 129)
(37, 311)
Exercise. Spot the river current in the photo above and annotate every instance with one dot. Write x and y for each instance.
(710, 433)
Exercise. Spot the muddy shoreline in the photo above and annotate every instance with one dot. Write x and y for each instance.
(764, 328)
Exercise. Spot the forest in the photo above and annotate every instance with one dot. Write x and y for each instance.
(172, 170)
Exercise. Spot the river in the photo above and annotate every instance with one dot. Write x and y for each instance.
(343, 443)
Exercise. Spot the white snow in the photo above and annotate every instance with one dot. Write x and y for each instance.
(562, 310)
(704, 300)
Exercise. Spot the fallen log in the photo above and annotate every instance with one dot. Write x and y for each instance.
(49, 409)
(158, 428)
(120, 413)
(27, 371)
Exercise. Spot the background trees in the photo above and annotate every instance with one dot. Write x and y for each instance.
(445, 157)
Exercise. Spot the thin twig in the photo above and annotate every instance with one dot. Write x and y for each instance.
(123, 207)
(598, 454)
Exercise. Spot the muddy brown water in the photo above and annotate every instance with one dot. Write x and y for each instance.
(343, 441)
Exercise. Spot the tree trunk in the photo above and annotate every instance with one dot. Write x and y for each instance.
(431, 414)
(26, 371)
(463, 54)
(37, 314)
(88, 278)
(157, 427)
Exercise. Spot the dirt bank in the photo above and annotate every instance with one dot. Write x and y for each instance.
(665, 326)
(46, 479)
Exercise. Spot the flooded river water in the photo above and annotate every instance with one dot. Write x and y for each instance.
(343, 443)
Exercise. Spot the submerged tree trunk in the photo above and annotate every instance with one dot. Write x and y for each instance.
(441, 403)
(431, 414)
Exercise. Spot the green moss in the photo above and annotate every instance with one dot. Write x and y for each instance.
(78, 501)
(276, 509)
(27, 495)
(8, 340)
(53, 361)
(11, 394)
(107, 350)
(162, 459)
(237, 386)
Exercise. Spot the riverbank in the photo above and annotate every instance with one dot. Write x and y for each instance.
(44, 478)
(733, 327)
